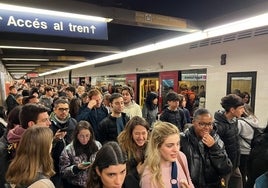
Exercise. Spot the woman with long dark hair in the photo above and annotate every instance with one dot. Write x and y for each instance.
(150, 108)
(76, 158)
(109, 167)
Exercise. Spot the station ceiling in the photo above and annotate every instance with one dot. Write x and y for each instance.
(127, 30)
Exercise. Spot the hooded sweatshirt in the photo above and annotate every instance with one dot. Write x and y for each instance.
(13, 138)
(246, 133)
(15, 134)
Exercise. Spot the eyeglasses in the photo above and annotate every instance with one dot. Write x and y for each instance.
(203, 124)
(63, 109)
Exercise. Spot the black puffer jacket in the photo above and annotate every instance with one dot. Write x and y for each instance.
(176, 117)
(206, 165)
(108, 128)
(228, 132)
(258, 159)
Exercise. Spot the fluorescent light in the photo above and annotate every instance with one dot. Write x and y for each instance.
(23, 59)
(241, 25)
(22, 65)
(31, 48)
(52, 13)
(19, 73)
(136, 51)
(250, 23)
(20, 68)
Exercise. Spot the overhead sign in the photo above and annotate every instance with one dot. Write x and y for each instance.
(22, 22)
(194, 77)
(32, 75)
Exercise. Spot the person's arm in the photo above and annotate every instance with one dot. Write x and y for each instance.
(219, 157)
(66, 166)
(83, 113)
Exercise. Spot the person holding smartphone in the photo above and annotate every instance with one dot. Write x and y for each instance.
(62, 125)
(77, 157)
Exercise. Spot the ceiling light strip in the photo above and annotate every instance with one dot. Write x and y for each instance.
(31, 48)
(245, 24)
(52, 13)
(22, 59)
(22, 65)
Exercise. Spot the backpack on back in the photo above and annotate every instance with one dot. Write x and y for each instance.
(257, 135)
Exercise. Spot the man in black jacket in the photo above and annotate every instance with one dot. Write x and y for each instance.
(226, 124)
(10, 100)
(114, 123)
(207, 158)
(173, 113)
(62, 125)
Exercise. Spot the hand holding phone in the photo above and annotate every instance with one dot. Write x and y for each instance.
(86, 163)
(63, 129)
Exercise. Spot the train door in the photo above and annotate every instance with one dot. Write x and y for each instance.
(147, 83)
(169, 81)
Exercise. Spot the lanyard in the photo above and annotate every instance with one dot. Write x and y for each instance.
(174, 174)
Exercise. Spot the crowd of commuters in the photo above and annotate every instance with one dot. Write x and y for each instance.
(82, 137)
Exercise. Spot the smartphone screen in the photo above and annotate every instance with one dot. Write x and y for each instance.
(86, 163)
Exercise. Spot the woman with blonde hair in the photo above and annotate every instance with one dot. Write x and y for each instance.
(133, 141)
(165, 165)
(33, 165)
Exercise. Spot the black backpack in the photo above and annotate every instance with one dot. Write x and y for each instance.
(257, 135)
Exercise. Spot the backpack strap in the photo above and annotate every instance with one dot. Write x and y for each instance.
(246, 140)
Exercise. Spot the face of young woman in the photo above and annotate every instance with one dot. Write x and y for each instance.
(140, 135)
(83, 136)
(170, 148)
(113, 176)
(155, 101)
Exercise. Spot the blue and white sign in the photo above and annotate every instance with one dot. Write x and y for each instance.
(22, 22)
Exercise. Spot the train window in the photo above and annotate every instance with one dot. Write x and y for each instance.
(243, 84)
(192, 85)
